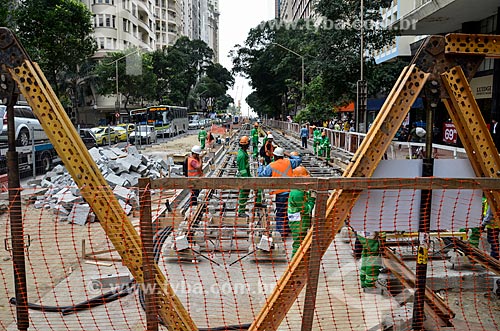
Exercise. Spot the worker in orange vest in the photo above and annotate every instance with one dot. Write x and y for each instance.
(195, 169)
(280, 167)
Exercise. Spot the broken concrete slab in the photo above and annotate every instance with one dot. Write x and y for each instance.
(79, 214)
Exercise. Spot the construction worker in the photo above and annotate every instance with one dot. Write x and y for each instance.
(195, 169)
(300, 207)
(316, 139)
(202, 136)
(244, 171)
(325, 146)
(370, 258)
(269, 149)
(492, 232)
(280, 167)
(255, 139)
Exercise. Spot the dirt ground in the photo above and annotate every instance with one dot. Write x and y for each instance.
(56, 246)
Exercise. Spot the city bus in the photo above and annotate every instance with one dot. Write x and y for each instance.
(167, 120)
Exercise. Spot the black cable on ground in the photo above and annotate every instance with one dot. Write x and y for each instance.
(102, 299)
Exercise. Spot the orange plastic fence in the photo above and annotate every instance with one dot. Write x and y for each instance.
(223, 265)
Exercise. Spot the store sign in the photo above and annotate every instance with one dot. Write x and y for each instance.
(450, 134)
(482, 87)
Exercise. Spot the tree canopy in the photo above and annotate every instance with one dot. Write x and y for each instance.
(48, 31)
(330, 47)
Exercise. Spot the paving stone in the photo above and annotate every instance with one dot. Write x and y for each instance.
(79, 214)
(95, 154)
(114, 180)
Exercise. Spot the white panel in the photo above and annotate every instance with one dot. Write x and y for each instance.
(389, 210)
(455, 209)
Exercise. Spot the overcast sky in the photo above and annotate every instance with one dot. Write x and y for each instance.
(237, 17)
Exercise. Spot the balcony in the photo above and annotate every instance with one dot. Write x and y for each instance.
(437, 17)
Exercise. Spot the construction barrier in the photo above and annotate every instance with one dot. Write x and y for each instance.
(226, 268)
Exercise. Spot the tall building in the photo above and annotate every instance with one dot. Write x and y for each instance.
(292, 10)
(148, 25)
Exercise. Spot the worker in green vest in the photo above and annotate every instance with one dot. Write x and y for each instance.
(492, 231)
(202, 137)
(255, 139)
(300, 207)
(324, 146)
(370, 258)
(243, 163)
(316, 139)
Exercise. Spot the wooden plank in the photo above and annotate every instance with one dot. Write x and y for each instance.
(332, 183)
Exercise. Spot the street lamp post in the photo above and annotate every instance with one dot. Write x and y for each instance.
(301, 58)
(118, 94)
(361, 86)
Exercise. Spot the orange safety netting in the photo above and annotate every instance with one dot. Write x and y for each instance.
(223, 256)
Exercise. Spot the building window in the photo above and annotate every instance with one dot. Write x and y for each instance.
(100, 42)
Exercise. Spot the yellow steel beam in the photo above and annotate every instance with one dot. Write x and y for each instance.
(373, 147)
(472, 130)
(473, 44)
(94, 188)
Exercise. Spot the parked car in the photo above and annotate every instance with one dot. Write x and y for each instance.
(121, 133)
(143, 134)
(26, 123)
(104, 135)
(194, 124)
(88, 138)
(130, 127)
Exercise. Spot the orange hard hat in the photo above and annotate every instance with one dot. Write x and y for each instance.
(294, 153)
(244, 140)
(256, 124)
(300, 171)
(269, 132)
(323, 133)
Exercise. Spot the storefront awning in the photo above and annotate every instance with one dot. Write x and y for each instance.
(347, 108)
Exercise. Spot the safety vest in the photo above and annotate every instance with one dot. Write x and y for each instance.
(492, 224)
(193, 172)
(281, 168)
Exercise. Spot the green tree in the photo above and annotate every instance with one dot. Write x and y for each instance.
(58, 35)
(331, 55)
(187, 60)
(7, 7)
(137, 85)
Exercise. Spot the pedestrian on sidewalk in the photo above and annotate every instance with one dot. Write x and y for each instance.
(304, 135)
(300, 207)
(280, 167)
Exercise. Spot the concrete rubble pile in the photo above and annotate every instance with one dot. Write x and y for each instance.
(121, 168)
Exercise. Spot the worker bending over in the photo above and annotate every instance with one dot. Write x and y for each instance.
(280, 167)
(300, 207)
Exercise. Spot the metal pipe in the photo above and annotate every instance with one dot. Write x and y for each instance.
(16, 220)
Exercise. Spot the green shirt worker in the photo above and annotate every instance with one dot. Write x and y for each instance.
(202, 137)
(242, 160)
(300, 207)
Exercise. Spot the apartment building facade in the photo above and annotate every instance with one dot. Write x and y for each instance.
(292, 10)
(148, 25)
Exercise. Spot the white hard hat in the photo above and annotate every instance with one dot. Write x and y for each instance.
(279, 151)
(420, 132)
(270, 136)
(196, 149)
